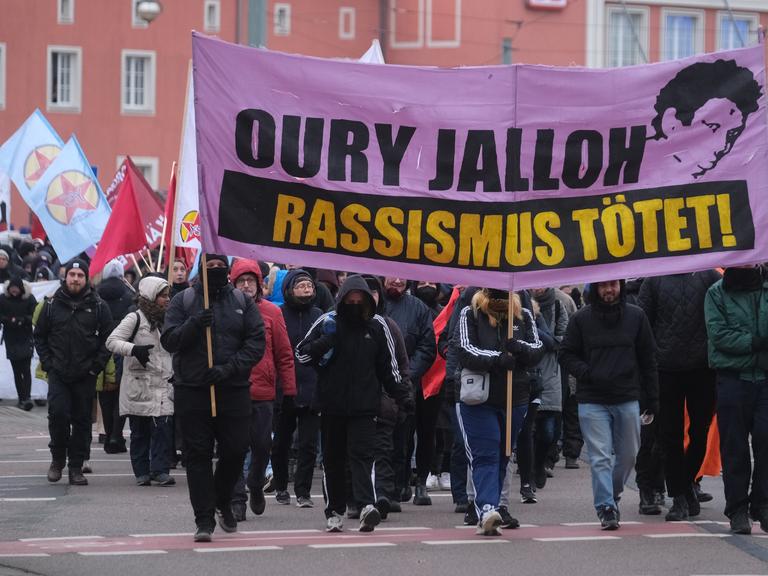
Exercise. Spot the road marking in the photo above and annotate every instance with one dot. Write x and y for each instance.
(691, 535)
(237, 549)
(296, 531)
(397, 528)
(123, 553)
(166, 534)
(451, 542)
(25, 555)
(577, 538)
(353, 545)
(48, 461)
(56, 538)
(575, 524)
(46, 499)
(32, 437)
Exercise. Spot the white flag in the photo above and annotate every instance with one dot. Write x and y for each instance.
(186, 226)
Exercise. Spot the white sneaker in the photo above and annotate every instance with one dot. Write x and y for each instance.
(369, 518)
(444, 481)
(432, 483)
(490, 524)
(334, 524)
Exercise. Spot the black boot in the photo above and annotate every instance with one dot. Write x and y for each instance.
(694, 508)
(421, 498)
(54, 471)
(679, 510)
(76, 477)
(648, 504)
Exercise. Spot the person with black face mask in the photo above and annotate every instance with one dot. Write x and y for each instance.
(353, 352)
(428, 292)
(736, 313)
(238, 344)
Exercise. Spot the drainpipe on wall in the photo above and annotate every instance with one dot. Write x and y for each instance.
(257, 20)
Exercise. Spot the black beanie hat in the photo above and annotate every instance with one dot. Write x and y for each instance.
(78, 263)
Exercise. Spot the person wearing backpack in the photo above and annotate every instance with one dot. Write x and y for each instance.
(238, 342)
(146, 395)
(69, 336)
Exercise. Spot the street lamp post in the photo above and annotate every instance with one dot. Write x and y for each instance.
(148, 10)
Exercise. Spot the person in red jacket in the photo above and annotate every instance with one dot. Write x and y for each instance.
(276, 364)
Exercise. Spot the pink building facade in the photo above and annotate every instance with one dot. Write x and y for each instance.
(97, 70)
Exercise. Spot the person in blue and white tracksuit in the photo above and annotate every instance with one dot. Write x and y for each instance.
(484, 348)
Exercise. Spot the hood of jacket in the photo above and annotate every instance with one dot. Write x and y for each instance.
(112, 269)
(247, 266)
(26, 287)
(356, 282)
(151, 286)
(290, 280)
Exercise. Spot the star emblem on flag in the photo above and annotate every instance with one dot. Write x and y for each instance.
(190, 226)
(37, 163)
(69, 192)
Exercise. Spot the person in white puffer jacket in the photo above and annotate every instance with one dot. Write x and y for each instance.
(146, 395)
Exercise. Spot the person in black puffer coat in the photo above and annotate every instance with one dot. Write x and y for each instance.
(17, 305)
(675, 308)
(119, 296)
(302, 414)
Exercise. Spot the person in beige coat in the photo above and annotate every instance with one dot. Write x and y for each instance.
(146, 395)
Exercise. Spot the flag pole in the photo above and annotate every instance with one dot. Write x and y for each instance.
(208, 338)
(149, 257)
(143, 259)
(510, 334)
(136, 265)
(165, 224)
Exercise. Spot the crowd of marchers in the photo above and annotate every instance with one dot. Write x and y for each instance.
(396, 388)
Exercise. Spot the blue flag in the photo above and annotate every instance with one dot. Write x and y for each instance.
(69, 203)
(27, 154)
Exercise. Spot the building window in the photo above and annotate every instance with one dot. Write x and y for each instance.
(138, 82)
(66, 11)
(347, 23)
(2, 76)
(282, 19)
(212, 16)
(737, 31)
(136, 20)
(627, 41)
(147, 165)
(682, 34)
(64, 77)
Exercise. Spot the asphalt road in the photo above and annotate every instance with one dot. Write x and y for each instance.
(114, 527)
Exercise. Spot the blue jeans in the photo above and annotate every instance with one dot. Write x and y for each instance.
(151, 444)
(483, 429)
(612, 436)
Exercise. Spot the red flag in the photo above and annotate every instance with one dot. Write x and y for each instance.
(170, 202)
(127, 228)
(37, 228)
(433, 379)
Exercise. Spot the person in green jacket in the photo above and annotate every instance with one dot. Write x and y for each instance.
(736, 312)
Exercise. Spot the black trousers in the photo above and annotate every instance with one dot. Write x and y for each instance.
(424, 424)
(649, 464)
(694, 390)
(69, 419)
(524, 444)
(742, 414)
(572, 440)
(306, 422)
(260, 435)
(384, 472)
(209, 489)
(22, 378)
(347, 440)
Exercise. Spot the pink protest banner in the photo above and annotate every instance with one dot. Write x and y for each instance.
(496, 176)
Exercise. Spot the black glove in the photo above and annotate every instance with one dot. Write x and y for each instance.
(506, 361)
(408, 405)
(141, 353)
(759, 343)
(204, 317)
(513, 346)
(216, 374)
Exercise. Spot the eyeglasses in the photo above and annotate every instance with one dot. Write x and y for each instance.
(304, 286)
(246, 280)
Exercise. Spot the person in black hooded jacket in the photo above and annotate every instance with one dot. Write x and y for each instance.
(302, 414)
(610, 349)
(354, 353)
(17, 305)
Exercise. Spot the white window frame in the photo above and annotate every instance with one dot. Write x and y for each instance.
(698, 38)
(2, 75)
(137, 22)
(61, 16)
(150, 82)
(454, 42)
(151, 162)
(643, 33)
(347, 13)
(723, 17)
(277, 29)
(215, 25)
(77, 79)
